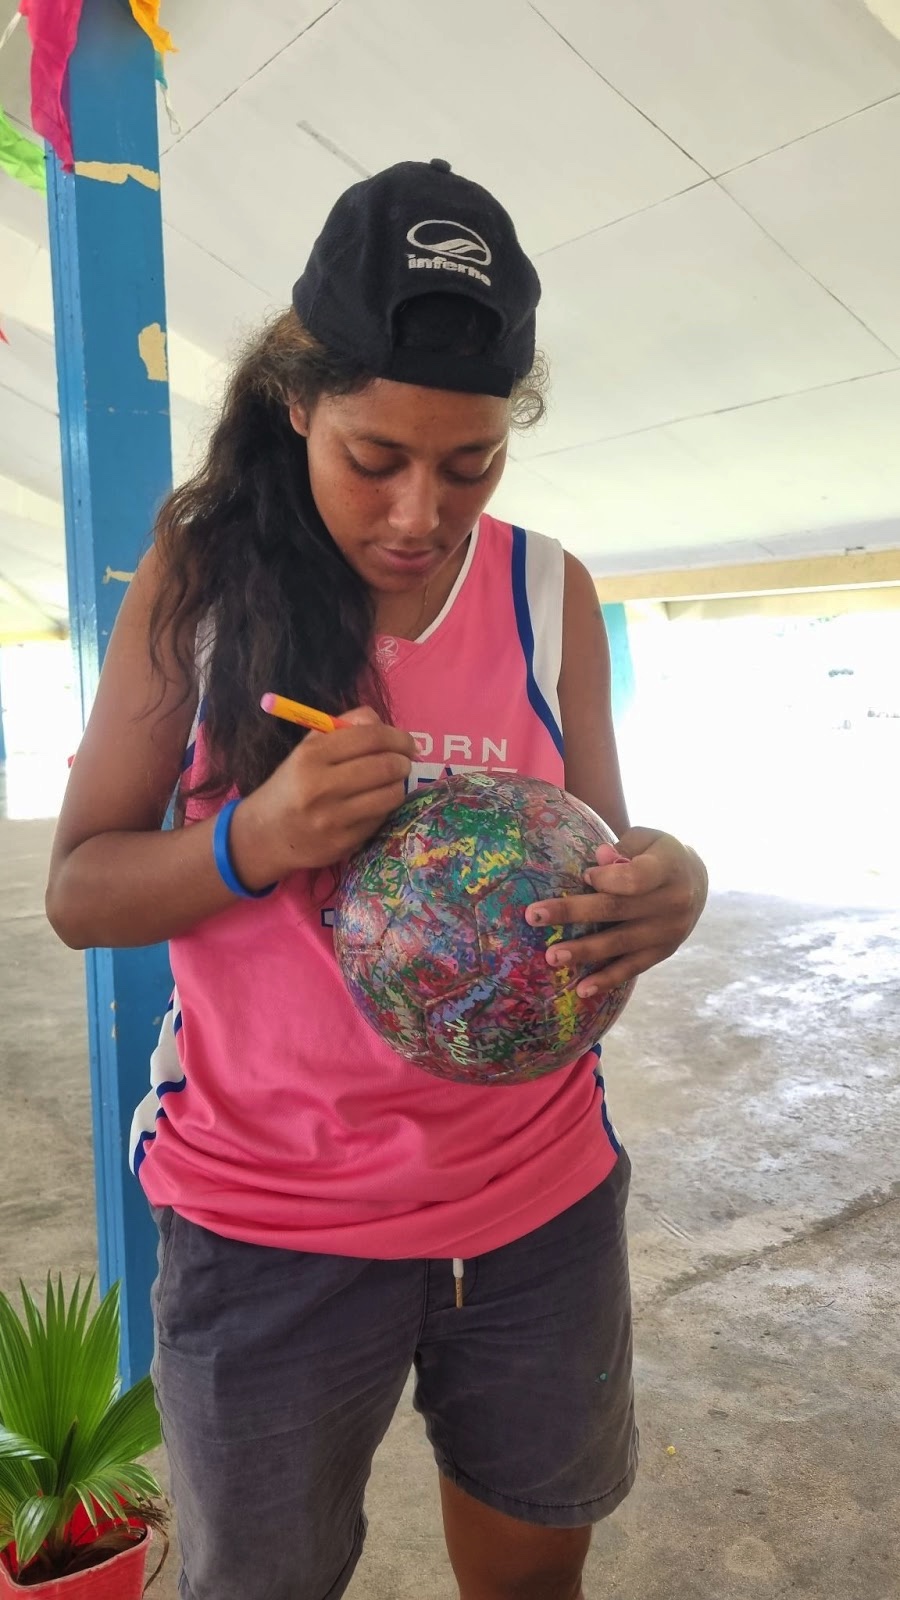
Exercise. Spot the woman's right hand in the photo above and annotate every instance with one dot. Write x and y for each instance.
(326, 799)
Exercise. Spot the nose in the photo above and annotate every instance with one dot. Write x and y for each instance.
(415, 507)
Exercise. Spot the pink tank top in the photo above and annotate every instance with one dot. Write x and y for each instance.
(276, 1115)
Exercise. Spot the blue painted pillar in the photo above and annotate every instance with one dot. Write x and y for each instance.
(109, 302)
(623, 686)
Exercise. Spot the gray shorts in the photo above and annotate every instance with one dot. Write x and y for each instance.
(278, 1373)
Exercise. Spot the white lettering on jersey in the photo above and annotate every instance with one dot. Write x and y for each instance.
(456, 744)
(459, 746)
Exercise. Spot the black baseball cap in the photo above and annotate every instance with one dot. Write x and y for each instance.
(418, 228)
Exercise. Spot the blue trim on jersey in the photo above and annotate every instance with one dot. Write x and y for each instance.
(608, 1128)
(526, 638)
(140, 1153)
(189, 756)
(173, 1086)
(177, 1024)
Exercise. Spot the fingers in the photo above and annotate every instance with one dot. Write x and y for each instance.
(622, 971)
(600, 908)
(366, 774)
(361, 717)
(363, 813)
(598, 949)
(364, 738)
(615, 956)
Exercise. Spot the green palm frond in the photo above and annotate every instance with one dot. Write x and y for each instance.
(18, 1482)
(15, 1444)
(66, 1433)
(35, 1521)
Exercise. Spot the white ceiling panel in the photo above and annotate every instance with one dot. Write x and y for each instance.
(29, 444)
(251, 193)
(15, 58)
(822, 461)
(389, 80)
(29, 560)
(28, 367)
(221, 45)
(22, 209)
(732, 79)
(206, 300)
(683, 310)
(832, 202)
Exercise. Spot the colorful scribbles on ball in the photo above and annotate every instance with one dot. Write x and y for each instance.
(431, 936)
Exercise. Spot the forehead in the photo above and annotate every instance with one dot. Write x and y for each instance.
(417, 418)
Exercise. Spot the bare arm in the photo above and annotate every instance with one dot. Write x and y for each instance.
(117, 880)
(650, 902)
(592, 761)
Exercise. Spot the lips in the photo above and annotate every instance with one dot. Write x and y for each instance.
(409, 561)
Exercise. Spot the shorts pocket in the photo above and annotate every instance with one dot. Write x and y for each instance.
(166, 1222)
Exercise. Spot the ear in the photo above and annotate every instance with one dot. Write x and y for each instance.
(299, 416)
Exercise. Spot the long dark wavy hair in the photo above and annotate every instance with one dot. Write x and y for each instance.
(243, 550)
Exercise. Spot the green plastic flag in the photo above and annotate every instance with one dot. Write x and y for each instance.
(21, 157)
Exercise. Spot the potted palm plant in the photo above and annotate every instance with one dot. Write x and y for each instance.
(77, 1508)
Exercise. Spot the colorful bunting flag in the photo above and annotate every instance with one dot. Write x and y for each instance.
(53, 25)
(162, 80)
(20, 157)
(146, 15)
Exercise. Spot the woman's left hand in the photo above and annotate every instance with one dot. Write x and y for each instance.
(653, 901)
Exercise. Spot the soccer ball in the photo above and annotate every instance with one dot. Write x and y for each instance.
(431, 936)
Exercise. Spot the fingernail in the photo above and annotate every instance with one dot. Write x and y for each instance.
(589, 994)
(535, 917)
(558, 958)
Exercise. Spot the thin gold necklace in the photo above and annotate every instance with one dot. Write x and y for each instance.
(421, 617)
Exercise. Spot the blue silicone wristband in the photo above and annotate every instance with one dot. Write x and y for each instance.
(222, 855)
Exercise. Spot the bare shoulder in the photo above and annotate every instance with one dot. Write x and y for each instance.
(592, 765)
(584, 631)
(579, 585)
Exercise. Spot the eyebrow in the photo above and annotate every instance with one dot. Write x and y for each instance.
(479, 447)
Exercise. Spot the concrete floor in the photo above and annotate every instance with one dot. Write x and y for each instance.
(756, 1081)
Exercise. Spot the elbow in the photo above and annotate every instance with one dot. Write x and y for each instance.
(60, 915)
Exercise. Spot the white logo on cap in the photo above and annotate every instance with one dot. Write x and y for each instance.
(451, 246)
(452, 239)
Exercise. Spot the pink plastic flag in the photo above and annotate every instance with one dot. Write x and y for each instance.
(53, 26)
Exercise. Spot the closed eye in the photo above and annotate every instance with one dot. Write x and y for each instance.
(370, 472)
(387, 472)
(465, 477)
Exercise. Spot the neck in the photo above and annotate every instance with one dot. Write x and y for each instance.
(405, 616)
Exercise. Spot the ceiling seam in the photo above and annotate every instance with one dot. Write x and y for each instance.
(807, 273)
(653, 205)
(718, 411)
(213, 257)
(645, 117)
(5, 388)
(802, 138)
(261, 68)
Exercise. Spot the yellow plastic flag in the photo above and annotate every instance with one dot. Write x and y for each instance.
(146, 15)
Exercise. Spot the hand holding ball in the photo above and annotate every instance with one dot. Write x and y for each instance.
(431, 936)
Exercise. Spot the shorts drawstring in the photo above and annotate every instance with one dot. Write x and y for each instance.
(458, 1271)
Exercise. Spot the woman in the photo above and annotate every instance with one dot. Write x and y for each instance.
(312, 1188)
